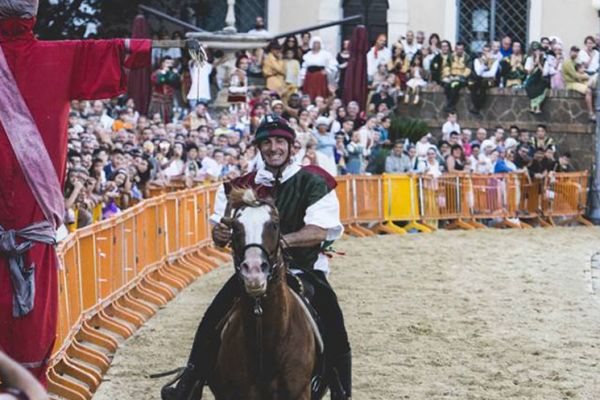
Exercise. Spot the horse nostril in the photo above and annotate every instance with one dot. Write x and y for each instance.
(264, 266)
(244, 266)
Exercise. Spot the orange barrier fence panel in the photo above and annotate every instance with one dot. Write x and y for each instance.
(190, 221)
(513, 193)
(440, 197)
(202, 210)
(565, 194)
(488, 196)
(140, 237)
(212, 194)
(129, 264)
(117, 249)
(531, 202)
(64, 322)
(160, 238)
(171, 212)
(368, 195)
(72, 280)
(151, 243)
(87, 268)
(104, 258)
(344, 193)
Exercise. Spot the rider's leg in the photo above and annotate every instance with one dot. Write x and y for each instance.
(205, 348)
(337, 346)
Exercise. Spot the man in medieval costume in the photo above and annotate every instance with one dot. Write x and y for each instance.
(37, 81)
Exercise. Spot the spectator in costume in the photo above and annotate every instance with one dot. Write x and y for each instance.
(416, 81)
(200, 87)
(291, 44)
(317, 64)
(485, 70)
(238, 83)
(164, 80)
(411, 47)
(578, 81)
(377, 55)
(588, 57)
(343, 57)
(536, 84)
(512, 69)
(274, 69)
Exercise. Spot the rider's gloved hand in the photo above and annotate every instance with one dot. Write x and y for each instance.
(221, 234)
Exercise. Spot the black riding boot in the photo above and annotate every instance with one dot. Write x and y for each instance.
(205, 348)
(189, 386)
(342, 370)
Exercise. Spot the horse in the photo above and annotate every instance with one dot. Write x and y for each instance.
(269, 349)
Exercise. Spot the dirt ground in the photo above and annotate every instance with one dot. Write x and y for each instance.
(450, 315)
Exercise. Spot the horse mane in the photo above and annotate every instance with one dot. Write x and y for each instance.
(240, 196)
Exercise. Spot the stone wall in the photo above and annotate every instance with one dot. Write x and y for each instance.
(564, 113)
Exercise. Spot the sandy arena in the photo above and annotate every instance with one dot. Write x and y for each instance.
(450, 315)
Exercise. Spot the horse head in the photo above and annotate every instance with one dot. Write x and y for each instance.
(255, 240)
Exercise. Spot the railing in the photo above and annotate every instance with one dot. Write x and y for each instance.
(116, 273)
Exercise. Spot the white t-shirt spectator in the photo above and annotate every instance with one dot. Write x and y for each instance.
(422, 149)
(411, 49)
(211, 167)
(448, 128)
(175, 168)
(484, 165)
(200, 89)
(584, 58)
(366, 140)
(383, 57)
(259, 32)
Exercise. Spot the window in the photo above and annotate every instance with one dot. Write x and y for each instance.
(374, 11)
(482, 21)
(212, 14)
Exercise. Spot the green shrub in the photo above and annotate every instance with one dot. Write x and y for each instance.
(411, 128)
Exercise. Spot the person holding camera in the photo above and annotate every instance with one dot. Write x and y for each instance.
(164, 81)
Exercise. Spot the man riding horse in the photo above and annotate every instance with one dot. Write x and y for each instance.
(309, 216)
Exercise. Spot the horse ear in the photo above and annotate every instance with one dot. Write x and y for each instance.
(226, 221)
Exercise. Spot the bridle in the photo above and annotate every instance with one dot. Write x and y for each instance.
(274, 258)
(275, 262)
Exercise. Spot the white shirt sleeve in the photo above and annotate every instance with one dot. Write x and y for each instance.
(220, 205)
(325, 214)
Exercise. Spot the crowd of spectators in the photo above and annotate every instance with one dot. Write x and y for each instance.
(118, 157)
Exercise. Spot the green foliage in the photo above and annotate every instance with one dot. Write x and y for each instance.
(68, 19)
(411, 128)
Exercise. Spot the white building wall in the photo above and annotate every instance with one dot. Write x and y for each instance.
(571, 20)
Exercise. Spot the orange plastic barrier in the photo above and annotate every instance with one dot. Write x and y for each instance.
(463, 200)
(565, 196)
(116, 273)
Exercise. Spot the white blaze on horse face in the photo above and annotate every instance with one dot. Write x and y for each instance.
(254, 219)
